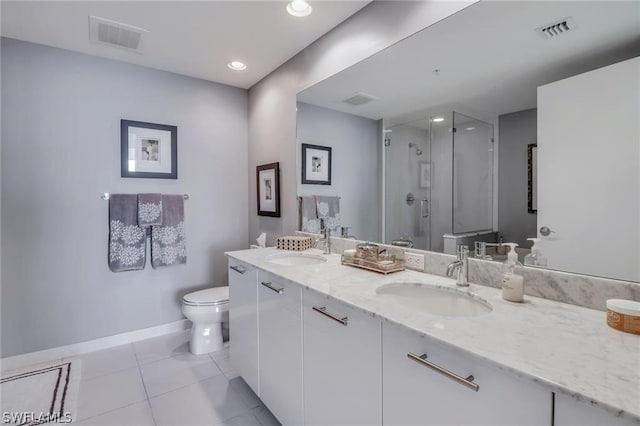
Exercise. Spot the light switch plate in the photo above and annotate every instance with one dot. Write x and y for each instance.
(414, 261)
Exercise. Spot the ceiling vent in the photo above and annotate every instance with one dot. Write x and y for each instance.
(556, 29)
(359, 99)
(115, 34)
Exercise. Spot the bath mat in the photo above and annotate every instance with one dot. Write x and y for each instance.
(45, 393)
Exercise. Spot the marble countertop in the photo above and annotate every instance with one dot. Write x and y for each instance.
(568, 348)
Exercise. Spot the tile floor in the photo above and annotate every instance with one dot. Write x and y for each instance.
(158, 382)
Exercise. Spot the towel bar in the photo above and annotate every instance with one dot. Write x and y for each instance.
(106, 195)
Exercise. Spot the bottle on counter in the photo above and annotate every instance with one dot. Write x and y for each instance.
(535, 258)
(513, 277)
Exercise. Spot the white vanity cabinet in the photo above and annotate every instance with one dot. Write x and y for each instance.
(342, 363)
(418, 391)
(571, 412)
(280, 355)
(243, 321)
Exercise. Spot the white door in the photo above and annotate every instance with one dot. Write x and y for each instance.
(589, 171)
(342, 364)
(280, 330)
(243, 322)
(416, 394)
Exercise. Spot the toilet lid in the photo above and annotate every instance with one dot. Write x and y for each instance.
(209, 296)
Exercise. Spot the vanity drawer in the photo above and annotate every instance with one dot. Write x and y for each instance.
(449, 388)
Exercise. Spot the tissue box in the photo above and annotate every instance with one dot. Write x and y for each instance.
(295, 243)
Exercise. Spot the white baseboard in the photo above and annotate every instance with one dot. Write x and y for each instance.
(76, 349)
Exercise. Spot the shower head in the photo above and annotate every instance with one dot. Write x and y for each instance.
(418, 150)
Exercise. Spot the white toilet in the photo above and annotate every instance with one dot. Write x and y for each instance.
(206, 309)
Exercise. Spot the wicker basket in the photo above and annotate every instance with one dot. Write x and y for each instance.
(294, 243)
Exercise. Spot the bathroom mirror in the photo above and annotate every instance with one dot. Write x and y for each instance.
(432, 137)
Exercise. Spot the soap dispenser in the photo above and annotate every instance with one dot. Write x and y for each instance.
(513, 277)
(535, 258)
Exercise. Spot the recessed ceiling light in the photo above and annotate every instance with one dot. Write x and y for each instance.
(438, 119)
(237, 65)
(470, 128)
(299, 8)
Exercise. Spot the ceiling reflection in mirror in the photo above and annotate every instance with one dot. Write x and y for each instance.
(483, 129)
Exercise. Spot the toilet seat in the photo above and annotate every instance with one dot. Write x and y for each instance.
(207, 297)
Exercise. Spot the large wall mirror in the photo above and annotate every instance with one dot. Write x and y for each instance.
(432, 138)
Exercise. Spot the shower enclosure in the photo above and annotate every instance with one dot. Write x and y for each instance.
(438, 179)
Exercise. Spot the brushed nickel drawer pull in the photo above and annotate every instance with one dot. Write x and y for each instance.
(323, 311)
(238, 269)
(272, 288)
(422, 359)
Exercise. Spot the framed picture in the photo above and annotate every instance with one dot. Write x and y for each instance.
(425, 175)
(532, 174)
(148, 150)
(268, 185)
(316, 164)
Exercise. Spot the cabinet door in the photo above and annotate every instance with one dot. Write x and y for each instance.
(415, 394)
(280, 328)
(342, 363)
(570, 412)
(243, 322)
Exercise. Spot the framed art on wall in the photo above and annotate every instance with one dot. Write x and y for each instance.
(148, 150)
(268, 188)
(316, 164)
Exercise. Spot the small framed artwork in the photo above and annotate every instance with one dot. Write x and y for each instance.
(532, 175)
(425, 175)
(316, 164)
(268, 186)
(148, 150)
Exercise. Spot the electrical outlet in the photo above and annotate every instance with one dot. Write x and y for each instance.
(414, 261)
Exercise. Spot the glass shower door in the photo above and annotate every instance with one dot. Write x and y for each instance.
(472, 175)
(407, 180)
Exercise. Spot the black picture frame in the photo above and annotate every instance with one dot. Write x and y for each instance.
(313, 177)
(161, 150)
(532, 178)
(268, 189)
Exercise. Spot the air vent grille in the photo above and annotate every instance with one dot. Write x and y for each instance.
(359, 99)
(116, 34)
(556, 29)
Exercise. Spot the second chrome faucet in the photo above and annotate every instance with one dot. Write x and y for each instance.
(461, 265)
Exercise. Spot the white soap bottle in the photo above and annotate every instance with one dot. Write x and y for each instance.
(535, 258)
(513, 277)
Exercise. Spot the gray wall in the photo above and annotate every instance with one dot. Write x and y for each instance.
(272, 101)
(61, 149)
(354, 170)
(517, 130)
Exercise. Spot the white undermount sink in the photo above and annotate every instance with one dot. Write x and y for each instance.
(434, 300)
(295, 259)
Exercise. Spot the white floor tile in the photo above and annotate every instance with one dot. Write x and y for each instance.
(207, 402)
(107, 361)
(108, 392)
(224, 364)
(246, 419)
(175, 372)
(162, 347)
(138, 414)
(249, 398)
(224, 353)
(264, 416)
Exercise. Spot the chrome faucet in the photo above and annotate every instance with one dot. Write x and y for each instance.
(461, 265)
(326, 237)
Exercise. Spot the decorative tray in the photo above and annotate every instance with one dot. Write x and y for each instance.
(371, 265)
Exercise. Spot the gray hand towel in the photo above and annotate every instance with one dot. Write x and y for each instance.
(329, 211)
(168, 245)
(126, 238)
(309, 221)
(149, 209)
